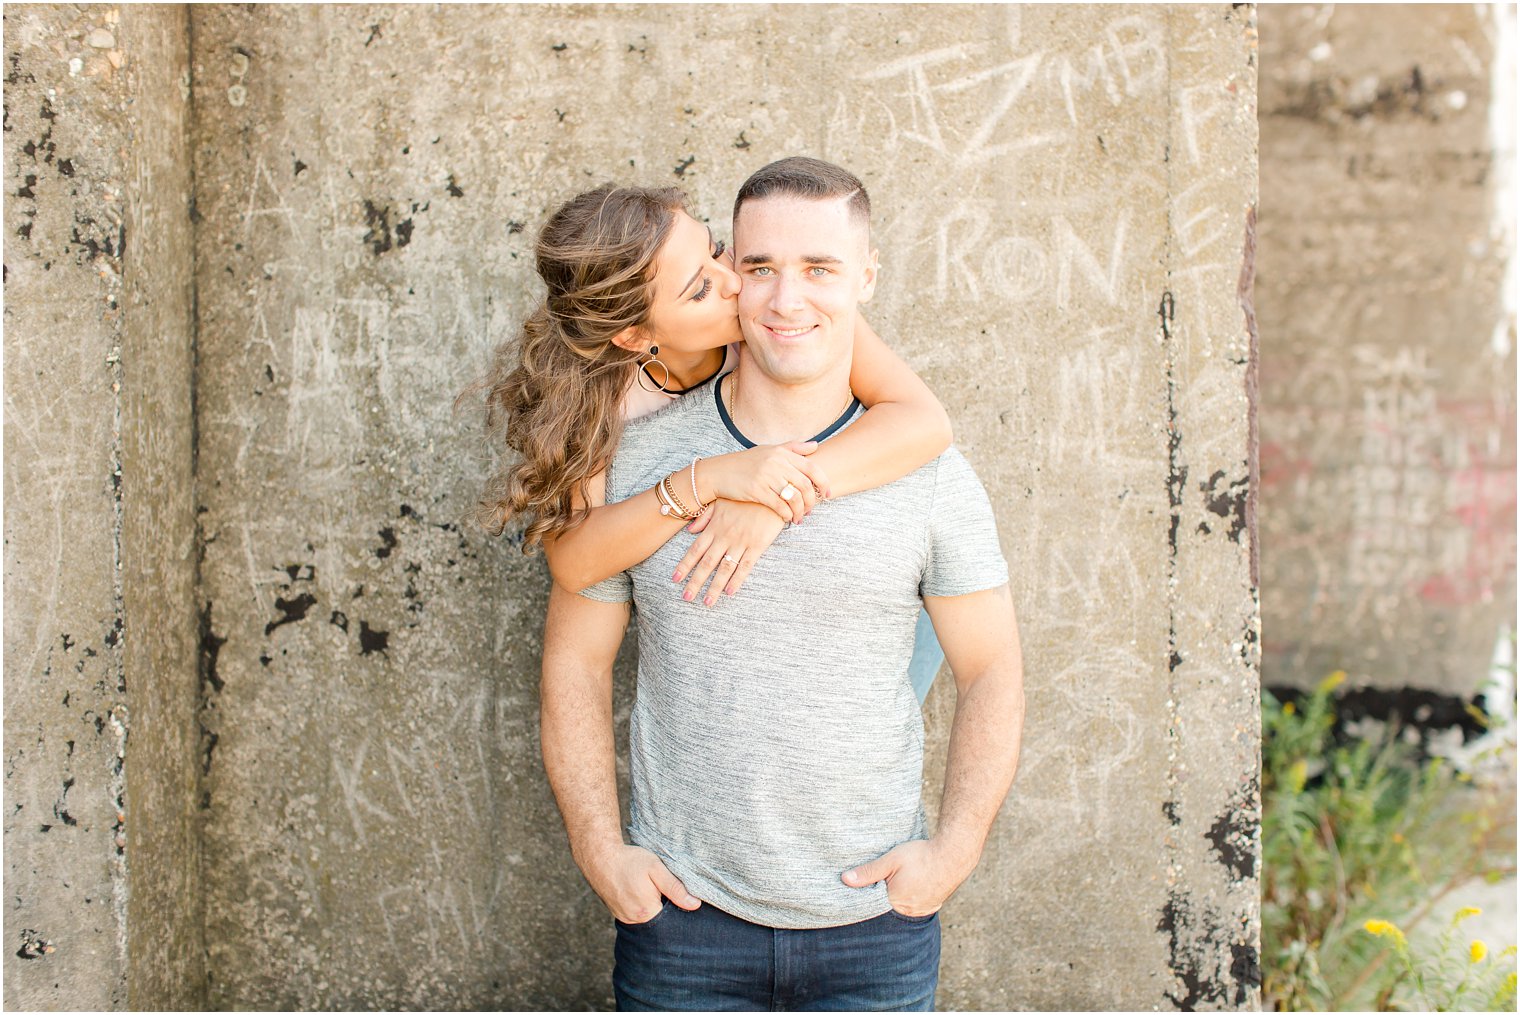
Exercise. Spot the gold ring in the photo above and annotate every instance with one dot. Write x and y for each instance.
(729, 560)
(788, 492)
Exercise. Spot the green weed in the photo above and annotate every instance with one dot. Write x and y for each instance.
(1360, 841)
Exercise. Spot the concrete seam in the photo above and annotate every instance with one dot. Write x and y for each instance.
(202, 988)
(1176, 482)
(120, 718)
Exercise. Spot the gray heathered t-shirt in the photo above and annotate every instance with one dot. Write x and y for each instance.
(775, 740)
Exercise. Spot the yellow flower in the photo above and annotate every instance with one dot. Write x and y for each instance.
(1477, 952)
(1464, 913)
(1288, 708)
(1298, 774)
(1382, 928)
(1331, 682)
(1509, 982)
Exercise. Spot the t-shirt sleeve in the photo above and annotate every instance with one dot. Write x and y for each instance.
(617, 589)
(964, 555)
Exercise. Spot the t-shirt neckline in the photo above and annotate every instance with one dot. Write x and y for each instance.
(728, 421)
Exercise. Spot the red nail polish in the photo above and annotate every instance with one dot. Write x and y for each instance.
(688, 596)
(676, 577)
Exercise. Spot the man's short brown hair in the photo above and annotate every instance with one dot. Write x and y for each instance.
(799, 176)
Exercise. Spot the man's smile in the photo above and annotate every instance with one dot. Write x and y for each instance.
(792, 332)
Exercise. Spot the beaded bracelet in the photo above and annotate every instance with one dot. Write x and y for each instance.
(695, 495)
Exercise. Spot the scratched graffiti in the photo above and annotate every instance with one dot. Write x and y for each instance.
(1416, 470)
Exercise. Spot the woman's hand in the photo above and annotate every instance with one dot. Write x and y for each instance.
(733, 535)
(762, 474)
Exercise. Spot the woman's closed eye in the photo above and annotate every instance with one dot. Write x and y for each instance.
(702, 292)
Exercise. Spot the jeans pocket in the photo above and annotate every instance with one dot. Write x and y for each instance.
(912, 921)
(665, 906)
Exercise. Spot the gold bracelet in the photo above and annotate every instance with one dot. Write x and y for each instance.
(679, 508)
(666, 507)
(670, 488)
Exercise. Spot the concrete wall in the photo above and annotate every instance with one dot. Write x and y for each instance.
(101, 844)
(1063, 204)
(1388, 419)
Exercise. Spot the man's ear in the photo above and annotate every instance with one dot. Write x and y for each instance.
(630, 338)
(868, 288)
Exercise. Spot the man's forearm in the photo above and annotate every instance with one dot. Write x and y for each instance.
(984, 755)
(576, 715)
(575, 702)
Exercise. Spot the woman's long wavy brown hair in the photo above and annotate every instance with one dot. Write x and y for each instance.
(554, 395)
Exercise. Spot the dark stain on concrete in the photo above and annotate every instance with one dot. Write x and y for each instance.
(60, 811)
(1248, 641)
(16, 76)
(208, 745)
(1192, 939)
(1173, 816)
(684, 165)
(741, 142)
(371, 640)
(97, 240)
(293, 610)
(300, 572)
(1327, 99)
(1429, 713)
(1236, 832)
(211, 650)
(33, 945)
(454, 189)
(1228, 503)
(300, 167)
(1176, 471)
(387, 534)
(211, 684)
(1245, 967)
(339, 619)
(378, 235)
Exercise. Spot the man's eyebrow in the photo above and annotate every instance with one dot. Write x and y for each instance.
(807, 259)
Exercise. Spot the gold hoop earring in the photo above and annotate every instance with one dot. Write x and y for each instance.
(644, 373)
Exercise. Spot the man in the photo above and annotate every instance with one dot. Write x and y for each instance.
(776, 741)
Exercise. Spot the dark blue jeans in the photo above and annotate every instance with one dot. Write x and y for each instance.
(707, 960)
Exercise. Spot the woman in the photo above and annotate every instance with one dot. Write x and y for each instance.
(641, 309)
